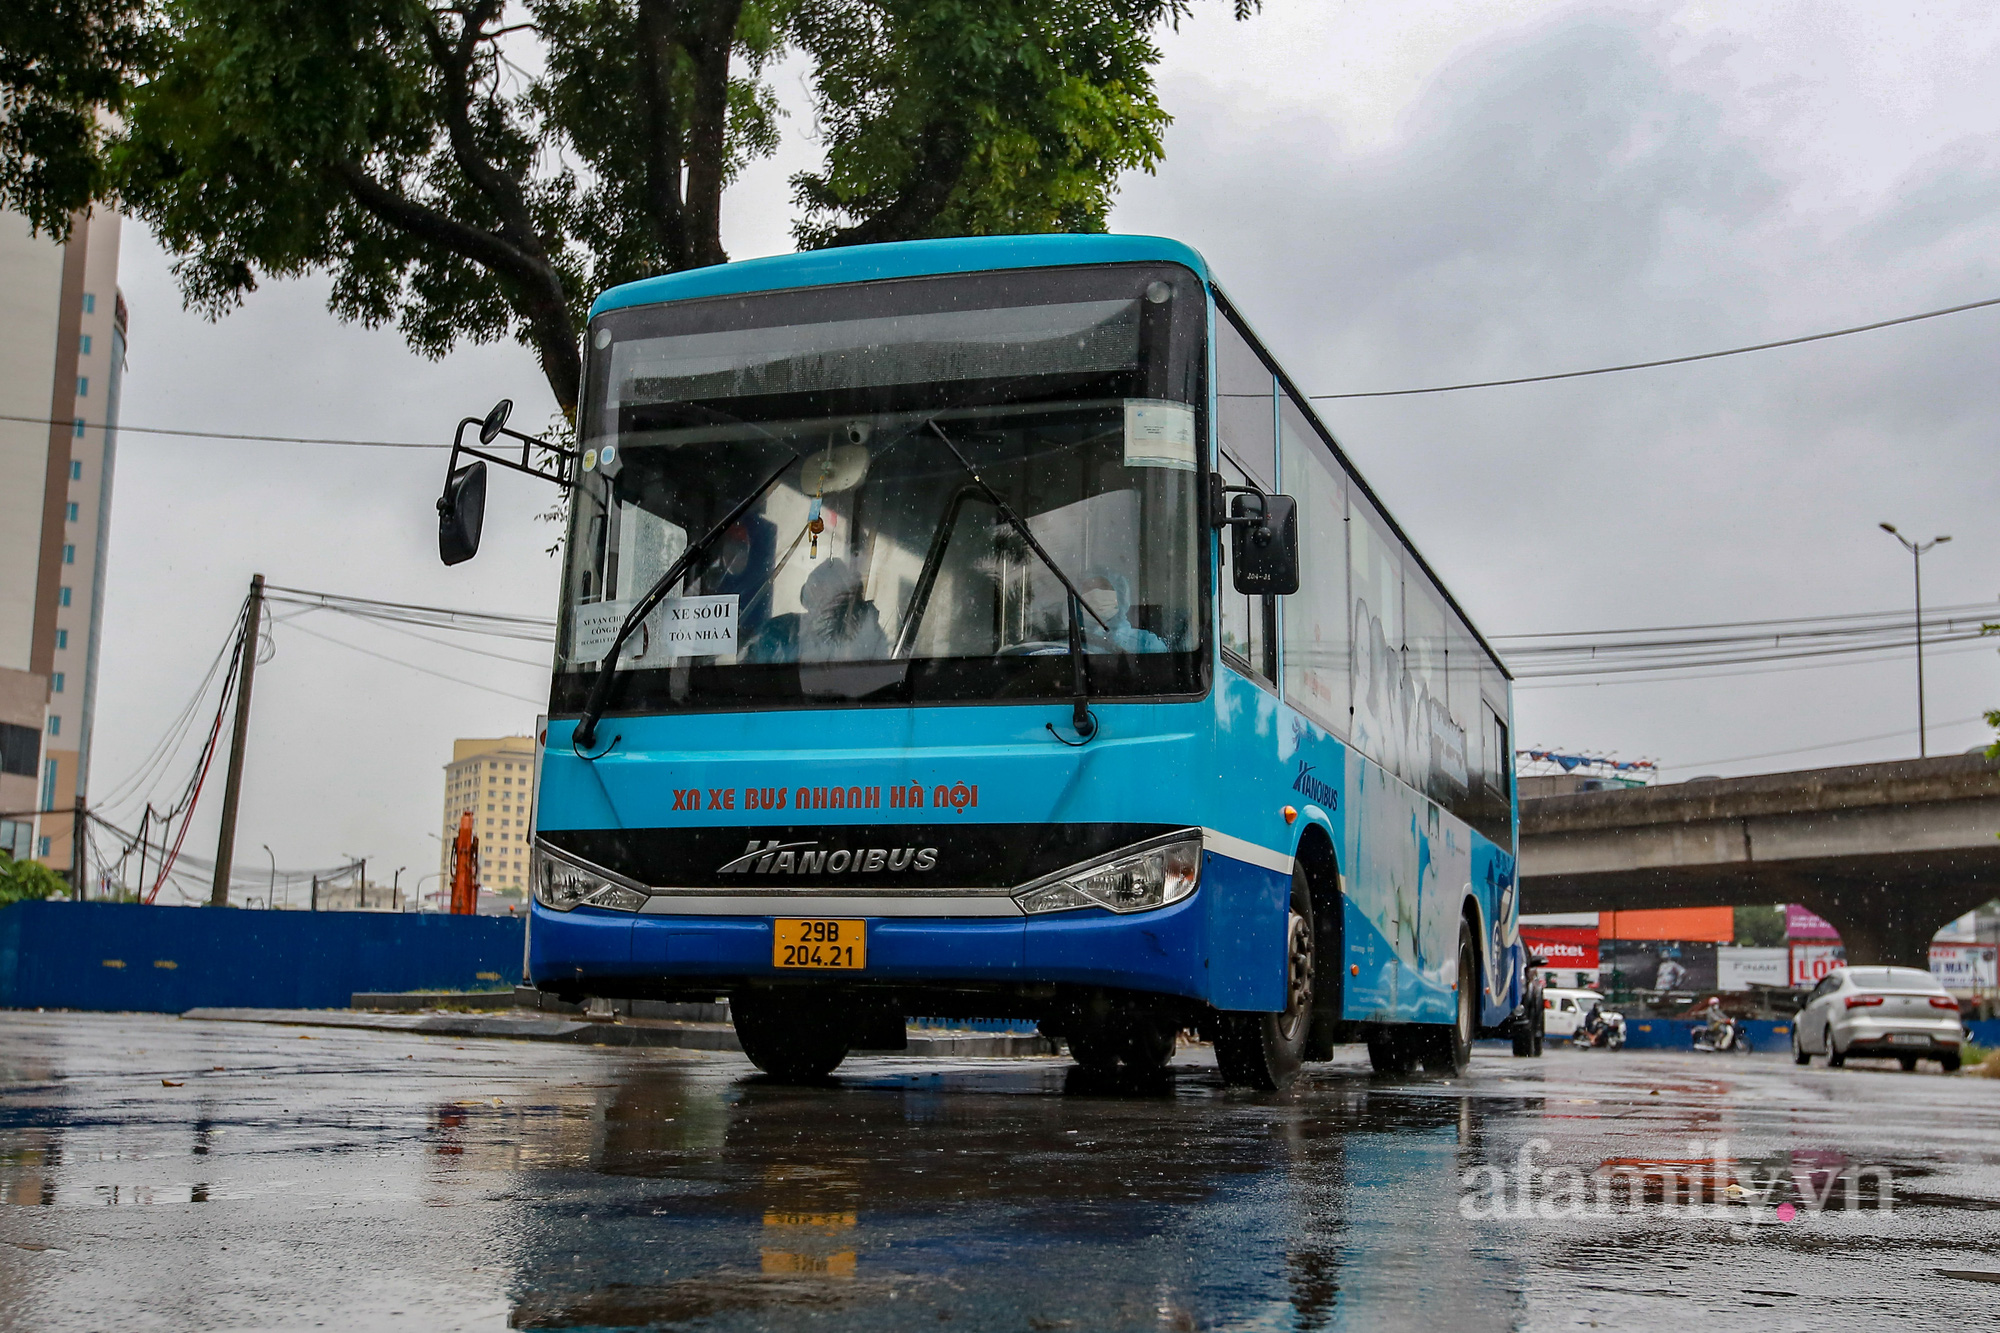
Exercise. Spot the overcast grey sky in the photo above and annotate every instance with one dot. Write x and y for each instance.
(1396, 195)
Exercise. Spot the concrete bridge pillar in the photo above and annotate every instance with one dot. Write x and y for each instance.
(1889, 924)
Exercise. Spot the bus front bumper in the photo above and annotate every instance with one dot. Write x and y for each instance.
(591, 951)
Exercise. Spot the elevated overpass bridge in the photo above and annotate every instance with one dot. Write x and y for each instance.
(1887, 853)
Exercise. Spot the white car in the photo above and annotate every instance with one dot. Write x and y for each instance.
(1563, 1011)
(1901, 1013)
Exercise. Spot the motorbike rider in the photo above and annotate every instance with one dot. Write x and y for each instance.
(1594, 1025)
(1718, 1022)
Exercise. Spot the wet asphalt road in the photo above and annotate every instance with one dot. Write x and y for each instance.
(160, 1173)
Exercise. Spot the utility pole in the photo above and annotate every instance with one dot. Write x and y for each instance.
(1916, 551)
(79, 872)
(225, 843)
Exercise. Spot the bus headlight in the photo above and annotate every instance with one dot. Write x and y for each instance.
(1134, 883)
(561, 886)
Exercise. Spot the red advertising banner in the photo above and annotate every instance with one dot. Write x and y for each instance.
(1563, 946)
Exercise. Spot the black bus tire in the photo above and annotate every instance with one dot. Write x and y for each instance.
(794, 1038)
(1447, 1047)
(1149, 1042)
(1094, 1048)
(1527, 1027)
(1390, 1051)
(1256, 1050)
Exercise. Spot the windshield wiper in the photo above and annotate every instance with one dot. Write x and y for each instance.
(600, 691)
(1082, 721)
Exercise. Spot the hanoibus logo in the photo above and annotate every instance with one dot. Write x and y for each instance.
(807, 858)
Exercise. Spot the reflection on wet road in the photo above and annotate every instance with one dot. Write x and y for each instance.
(158, 1173)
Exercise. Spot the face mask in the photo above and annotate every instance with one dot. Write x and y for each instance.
(1103, 601)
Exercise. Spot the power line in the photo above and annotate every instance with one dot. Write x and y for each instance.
(1571, 653)
(1557, 682)
(124, 429)
(1828, 745)
(412, 666)
(537, 629)
(1613, 665)
(1667, 361)
(395, 628)
(1961, 609)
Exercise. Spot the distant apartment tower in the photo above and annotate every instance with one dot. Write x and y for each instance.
(62, 357)
(495, 779)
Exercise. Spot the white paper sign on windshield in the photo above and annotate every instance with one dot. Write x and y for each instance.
(1159, 434)
(596, 625)
(679, 627)
(699, 626)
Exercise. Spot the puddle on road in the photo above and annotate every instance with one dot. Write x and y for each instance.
(607, 1189)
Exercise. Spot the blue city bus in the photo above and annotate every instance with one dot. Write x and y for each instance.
(990, 628)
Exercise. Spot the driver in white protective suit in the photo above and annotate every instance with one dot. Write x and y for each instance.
(1109, 595)
(839, 623)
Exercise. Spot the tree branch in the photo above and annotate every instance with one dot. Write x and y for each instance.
(454, 63)
(661, 128)
(536, 283)
(709, 46)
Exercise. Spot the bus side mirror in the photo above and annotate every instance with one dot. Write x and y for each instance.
(1265, 549)
(461, 514)
(489, 429)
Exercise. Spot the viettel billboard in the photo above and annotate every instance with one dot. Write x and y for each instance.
(1562, 946)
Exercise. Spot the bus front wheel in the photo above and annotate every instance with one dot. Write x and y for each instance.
(795, 1038)
(1266, 1050)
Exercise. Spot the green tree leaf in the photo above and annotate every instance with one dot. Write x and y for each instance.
(467, 170)
(28, 881)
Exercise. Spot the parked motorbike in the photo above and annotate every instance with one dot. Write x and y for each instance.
(1605, 1030)
(1727, 1035)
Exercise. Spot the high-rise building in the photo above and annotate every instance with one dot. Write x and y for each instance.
(495, 780)
(62, 357)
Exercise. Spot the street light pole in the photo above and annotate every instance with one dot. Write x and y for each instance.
(271, 890)
(1916, 550)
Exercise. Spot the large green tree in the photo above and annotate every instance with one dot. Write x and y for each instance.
(475, 169)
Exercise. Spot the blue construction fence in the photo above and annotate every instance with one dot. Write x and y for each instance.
(1767, 1035)
(129, 957)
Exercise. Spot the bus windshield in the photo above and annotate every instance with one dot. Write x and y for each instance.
(875, 569)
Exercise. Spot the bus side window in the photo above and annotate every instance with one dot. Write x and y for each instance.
(1375, 584)
(1316, 620)
(1245, 404)
(1492, 806)
(1247, 641)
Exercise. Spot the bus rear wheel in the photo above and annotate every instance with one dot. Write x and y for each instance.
(795, 1038)
(1446, 1048)
(1266, 1050)
(1390, 1052)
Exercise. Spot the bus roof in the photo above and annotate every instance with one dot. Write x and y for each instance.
(898, 259)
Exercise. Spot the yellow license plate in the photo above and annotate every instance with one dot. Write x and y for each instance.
(819, 943)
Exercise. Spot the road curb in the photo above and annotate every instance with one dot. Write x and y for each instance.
(633, 1032)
